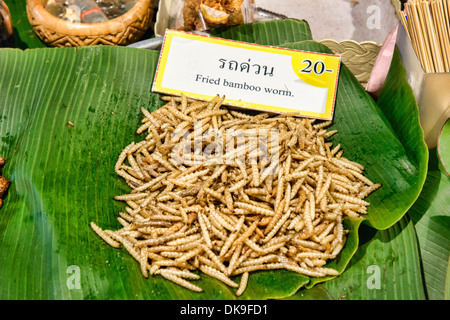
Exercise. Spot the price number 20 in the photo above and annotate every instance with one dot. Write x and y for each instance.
(317, 67)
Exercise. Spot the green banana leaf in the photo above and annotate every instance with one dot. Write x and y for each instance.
(444, 146)
(431, 217)
(62, 173)
(447, 283)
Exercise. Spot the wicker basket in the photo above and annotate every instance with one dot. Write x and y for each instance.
(123, 30)
(358, 57)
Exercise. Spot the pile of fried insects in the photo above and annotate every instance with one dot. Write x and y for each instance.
(225, 215)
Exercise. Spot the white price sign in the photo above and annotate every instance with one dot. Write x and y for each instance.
(248, 75)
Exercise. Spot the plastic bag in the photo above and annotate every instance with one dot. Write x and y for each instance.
(200, 15)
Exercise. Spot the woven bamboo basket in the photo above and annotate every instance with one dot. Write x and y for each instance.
(358, 57)
(123, 30)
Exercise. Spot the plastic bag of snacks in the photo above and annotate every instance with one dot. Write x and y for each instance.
(191, 15)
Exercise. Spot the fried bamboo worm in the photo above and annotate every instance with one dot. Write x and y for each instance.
(275, 204)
